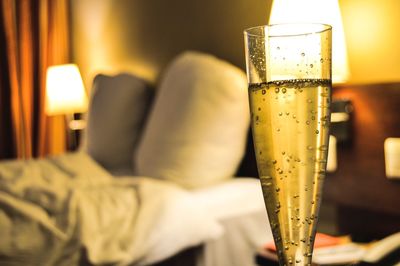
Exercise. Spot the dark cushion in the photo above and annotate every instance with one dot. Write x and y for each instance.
(117, 112)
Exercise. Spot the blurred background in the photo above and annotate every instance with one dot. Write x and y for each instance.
(142, 36)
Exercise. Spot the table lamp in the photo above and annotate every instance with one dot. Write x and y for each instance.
(66, 95)
(317, 11)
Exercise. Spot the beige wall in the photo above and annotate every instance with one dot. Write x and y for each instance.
(372, 29)
(141, 36)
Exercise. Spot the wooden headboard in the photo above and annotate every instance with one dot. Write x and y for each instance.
(368, 203)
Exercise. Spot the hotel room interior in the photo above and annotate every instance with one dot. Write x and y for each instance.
(125, 132)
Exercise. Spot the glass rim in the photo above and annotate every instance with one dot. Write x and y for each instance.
(249, 31)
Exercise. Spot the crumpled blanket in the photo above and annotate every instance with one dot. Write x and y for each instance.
(50, 209)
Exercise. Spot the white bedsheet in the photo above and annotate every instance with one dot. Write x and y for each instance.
(239, 208)
(50, 207)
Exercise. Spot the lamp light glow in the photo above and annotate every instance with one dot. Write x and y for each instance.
(65, 93)
(317, 11)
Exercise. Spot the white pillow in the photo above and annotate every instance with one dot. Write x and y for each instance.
(196, 132)
(116, 116)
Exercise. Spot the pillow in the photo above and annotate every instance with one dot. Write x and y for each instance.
(196, 132)
(116, 115)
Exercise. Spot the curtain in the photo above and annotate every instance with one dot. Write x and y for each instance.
(34, 34)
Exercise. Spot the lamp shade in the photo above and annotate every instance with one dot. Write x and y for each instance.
(65, 93)
(317, 11)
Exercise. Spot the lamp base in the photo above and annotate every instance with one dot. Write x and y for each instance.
(73, 128)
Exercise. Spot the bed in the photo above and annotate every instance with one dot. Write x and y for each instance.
(153, 182)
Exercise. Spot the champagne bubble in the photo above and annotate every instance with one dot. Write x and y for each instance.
(317, 131)
(307, 122)
(311, 65)
(259, 108)
(283, 90)
(283, 153)
(309, 100)
(323, 148)
(278, 48)
(277, 189)
(276, 90)
(303, 54)
(294, 116)
(309, 147)
(263, 92)
(298, 261)
(322, 60)
(312, 117)
(280, 113)
(287, 113)
(274, 161)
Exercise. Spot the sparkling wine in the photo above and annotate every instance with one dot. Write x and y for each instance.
(290, 123)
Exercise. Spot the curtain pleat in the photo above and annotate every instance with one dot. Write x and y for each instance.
(36, 35)
(6, 129)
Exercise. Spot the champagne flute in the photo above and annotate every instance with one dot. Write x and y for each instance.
(289, 74)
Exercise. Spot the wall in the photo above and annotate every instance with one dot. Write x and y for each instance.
(142, 36)
(372, 29)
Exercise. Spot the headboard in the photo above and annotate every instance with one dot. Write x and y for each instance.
(359, 186)
(367, 202)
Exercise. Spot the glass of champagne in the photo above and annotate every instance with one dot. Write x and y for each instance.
(289, 74)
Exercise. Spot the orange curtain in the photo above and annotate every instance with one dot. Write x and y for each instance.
(36, 35)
